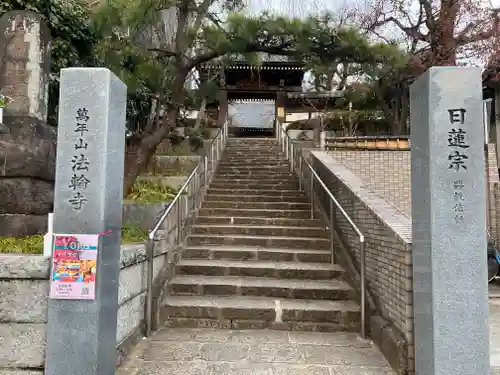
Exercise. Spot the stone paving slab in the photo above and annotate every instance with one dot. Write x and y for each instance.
(181, 351)
(494, 303)
(495, 333)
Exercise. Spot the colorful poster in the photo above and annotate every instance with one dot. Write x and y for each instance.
(74, 264)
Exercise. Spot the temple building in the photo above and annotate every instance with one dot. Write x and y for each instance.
(255, 95)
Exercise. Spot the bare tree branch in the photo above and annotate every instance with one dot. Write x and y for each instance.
(411, 31)
(463, 39)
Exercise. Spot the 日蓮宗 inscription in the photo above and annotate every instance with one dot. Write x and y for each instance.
(458, 145)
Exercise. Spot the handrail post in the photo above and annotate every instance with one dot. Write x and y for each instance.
(301, 176)
(219, 145)
(217, 139)
(212, 161)
(292, 156)
(312, 195)
(195, 189)
(363, 287)
(179, 219)
(332, 229)
(205, 169)
(149, 297)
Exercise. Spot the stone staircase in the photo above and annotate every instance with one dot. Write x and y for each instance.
(254, 258)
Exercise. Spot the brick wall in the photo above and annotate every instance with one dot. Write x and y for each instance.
(387, 234)
(494, 191)
(387, 172)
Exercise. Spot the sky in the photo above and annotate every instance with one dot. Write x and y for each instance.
(292, 8)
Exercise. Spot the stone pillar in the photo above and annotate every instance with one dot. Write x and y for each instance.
(450, 291)
(81, 334)
(25, 64)
(27, 144)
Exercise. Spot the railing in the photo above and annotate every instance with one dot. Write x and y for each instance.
(175, 217)
(297, 161)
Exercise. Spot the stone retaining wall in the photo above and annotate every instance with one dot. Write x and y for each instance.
(143, 215)
(171, 165)
(24, 291)
(389, 277)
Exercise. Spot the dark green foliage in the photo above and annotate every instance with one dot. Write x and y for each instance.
(72, 37)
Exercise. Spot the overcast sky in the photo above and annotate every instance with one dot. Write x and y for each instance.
(293, 8)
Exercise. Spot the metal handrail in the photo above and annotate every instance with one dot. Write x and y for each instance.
(288, 148)
(213, 155)
(161, 220)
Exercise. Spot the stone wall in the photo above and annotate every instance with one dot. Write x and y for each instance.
(143, 215)
(387, 234)
(24, 291)
(172, 165)
(27, 143)
(27, 173)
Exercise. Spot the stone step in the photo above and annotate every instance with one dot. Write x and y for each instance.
(252, 144)
(251, 152)
(254, 198)
(257, 176)
(256, 172)
(257, 205)
(333, 290)
(234, 212)
(267, 178)
(245, 312)
(252, 140)
(255, 146)
(258, 221)
(233, 183)
(260, 174)
(263, 192)
(255, 268)
(244, 169)
(260, 230)
(265, 241)
(248, 159)
(256, 254)
(266, 182)
(253, 163)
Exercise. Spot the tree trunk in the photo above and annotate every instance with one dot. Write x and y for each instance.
(444, 46)
(137, 157)
(140, 151)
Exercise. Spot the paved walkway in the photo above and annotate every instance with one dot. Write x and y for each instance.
(181, 351)
(495, 326)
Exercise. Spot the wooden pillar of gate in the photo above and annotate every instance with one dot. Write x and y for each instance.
(280, 110)
(223, 103)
